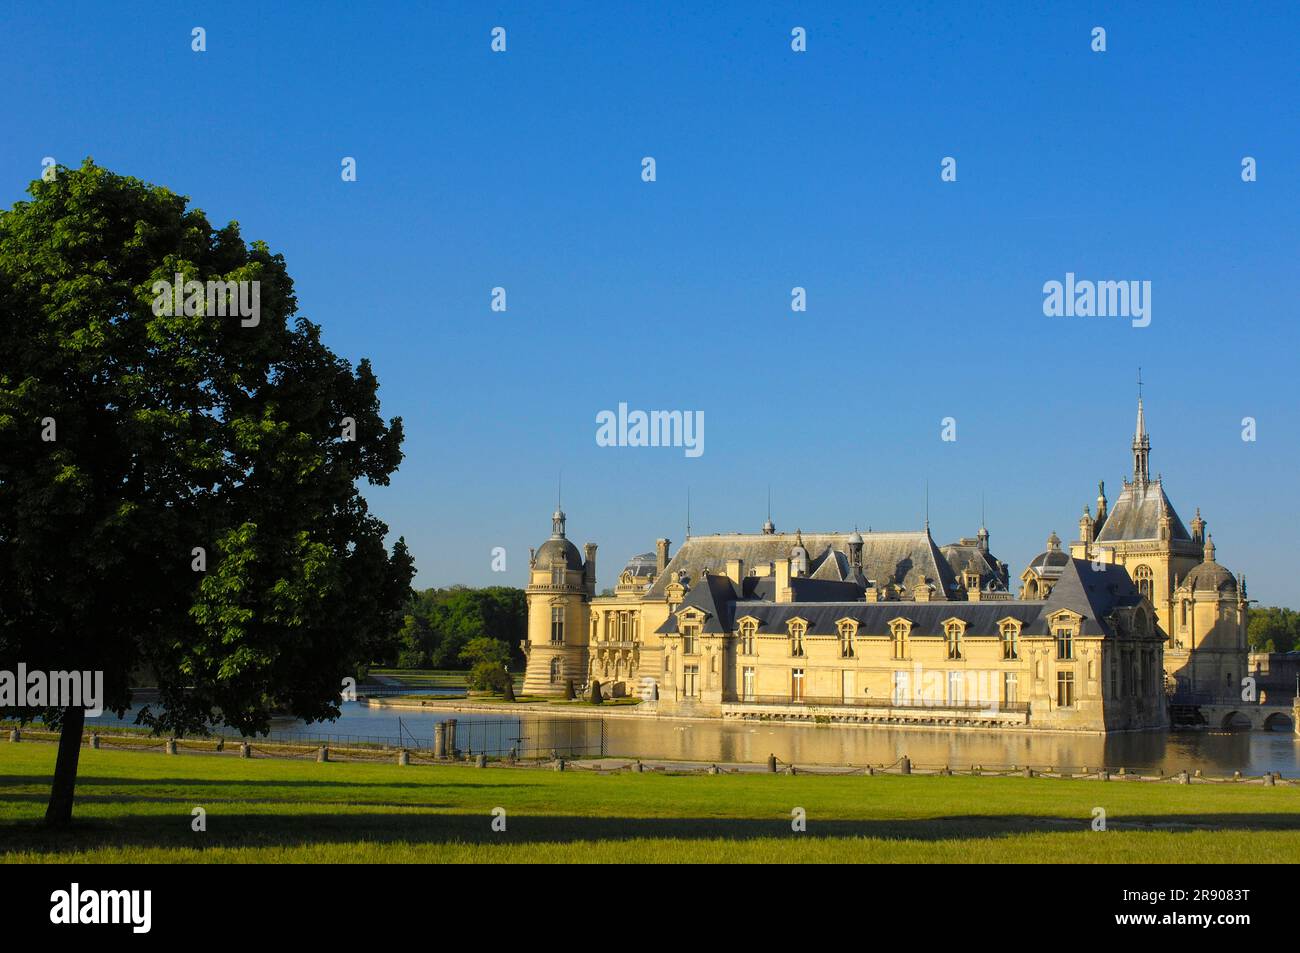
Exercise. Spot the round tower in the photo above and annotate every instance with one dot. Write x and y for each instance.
(560, 587)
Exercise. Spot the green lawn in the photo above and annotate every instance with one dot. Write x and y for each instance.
(135, 807)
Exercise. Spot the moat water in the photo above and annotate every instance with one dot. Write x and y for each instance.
(1216, 753)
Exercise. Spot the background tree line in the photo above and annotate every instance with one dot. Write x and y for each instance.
(1273, 629)
(439, 624)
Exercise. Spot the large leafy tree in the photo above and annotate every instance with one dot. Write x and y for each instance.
(178, 493)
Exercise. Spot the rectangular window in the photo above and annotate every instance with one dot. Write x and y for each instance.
(747, 684)
(1065, 644)
(796, 685)
(557, 623)
(956, 689)
(1010, 643)
(690, 680)
(1064, 689)
(688, 639)
(1010, 687)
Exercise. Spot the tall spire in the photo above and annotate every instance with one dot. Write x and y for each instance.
(1141, 443)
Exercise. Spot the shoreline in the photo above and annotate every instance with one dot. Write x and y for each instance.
(545, 710)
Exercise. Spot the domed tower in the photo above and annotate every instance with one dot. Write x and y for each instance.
(1043, 571)
(1209, 630)
(559, 593)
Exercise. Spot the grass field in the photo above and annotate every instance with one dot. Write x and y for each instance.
(136, 807)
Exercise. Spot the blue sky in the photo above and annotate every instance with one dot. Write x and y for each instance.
(774, 169)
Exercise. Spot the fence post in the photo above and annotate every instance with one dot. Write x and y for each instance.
(403, 757)
(245, 749)
(322, 754)
(15, 736)
(440, 740)
(94, 740)
(771, 763)
(480, 761)
(451, 737)
(905, 765)
(171, 746)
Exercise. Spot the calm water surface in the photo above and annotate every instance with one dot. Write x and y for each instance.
(1250, 752)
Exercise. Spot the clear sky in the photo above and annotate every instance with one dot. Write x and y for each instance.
(775, 169)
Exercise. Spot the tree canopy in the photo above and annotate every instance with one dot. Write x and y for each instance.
(440, 623)
(178, 488)
(1273, 629)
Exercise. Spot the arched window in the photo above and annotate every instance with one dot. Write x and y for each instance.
(1143, 577)
(1010, 640)
(952, 635)
(899, 629)
(847, 629)
(555, 670)
(797, 631)
(747, 630)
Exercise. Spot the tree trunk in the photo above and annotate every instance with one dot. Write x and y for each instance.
(59, 812)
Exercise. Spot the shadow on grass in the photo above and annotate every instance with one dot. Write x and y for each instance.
(427, 827)
(43, 781)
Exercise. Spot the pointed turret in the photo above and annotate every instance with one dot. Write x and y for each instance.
(1141, 450)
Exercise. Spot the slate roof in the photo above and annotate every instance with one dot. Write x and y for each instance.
(561, 547)
(966, 555)
(1136, 515)
(900, 558)
(1092, 593)
(642, 566)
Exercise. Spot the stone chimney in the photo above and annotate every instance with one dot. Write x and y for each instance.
(589, 568)
(783, 593)
(736, 572)
(661, 555)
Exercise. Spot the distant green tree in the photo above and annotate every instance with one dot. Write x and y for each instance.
(439, 624)
(1273, 629)
(487, 659)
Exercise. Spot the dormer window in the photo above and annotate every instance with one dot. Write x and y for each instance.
(1010, 640)
(953, 631)
(798, 628)
(848, 629)
(900, 630)
(690, 632)
(748, 628)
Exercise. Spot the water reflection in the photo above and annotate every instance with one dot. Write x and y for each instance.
(1250, 752)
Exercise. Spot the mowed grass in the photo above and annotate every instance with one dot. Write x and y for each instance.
(136, 807)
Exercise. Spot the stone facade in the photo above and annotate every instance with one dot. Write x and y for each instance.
(889, 628)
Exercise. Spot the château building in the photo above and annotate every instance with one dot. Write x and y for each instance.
(891, 628)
